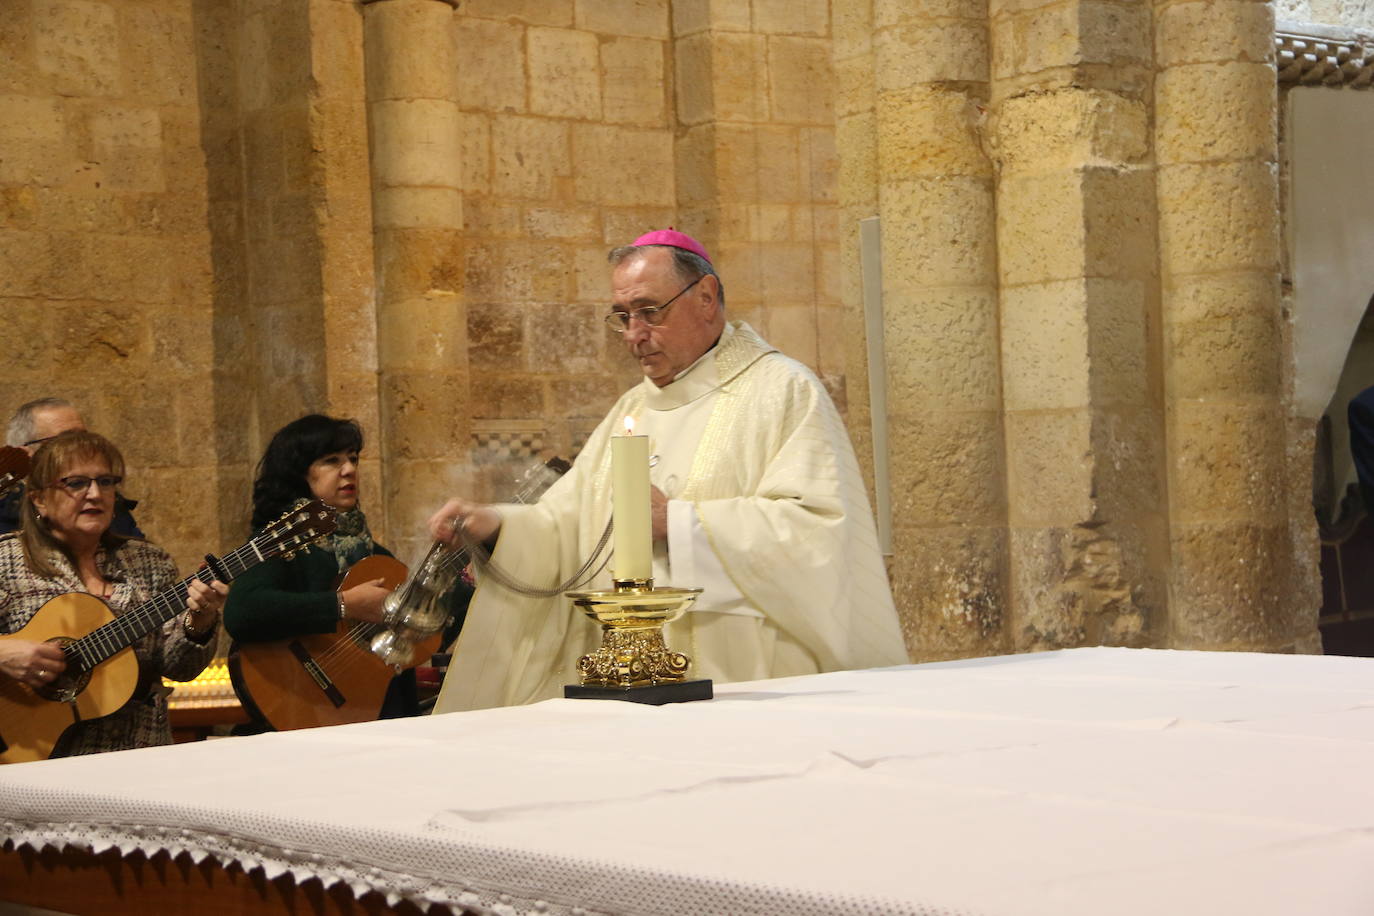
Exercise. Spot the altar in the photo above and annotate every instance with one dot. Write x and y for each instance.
(1085, 781)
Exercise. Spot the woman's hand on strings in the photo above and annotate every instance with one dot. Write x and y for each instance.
(34, 663)
(366, 601)
(479, 522)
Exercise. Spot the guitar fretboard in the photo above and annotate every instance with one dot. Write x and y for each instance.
(126, 629)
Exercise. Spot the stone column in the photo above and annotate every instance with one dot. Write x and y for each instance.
(412, 74)
(1215, 134)
(1079, 327)
(910, 116)
(857, 147)
(755, 163)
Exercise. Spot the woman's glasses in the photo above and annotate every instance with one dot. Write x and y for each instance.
(77, 485)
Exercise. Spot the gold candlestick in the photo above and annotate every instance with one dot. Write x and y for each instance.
(633, 662)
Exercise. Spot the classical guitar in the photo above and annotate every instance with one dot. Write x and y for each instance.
(14, 464)
(102, 669)
(336, 678)
(319, 678)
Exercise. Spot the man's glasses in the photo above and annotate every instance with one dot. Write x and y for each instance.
(652, 316)
(77, 485)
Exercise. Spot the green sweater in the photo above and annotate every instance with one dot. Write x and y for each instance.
(279, 598)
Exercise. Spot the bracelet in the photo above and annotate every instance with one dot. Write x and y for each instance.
(343, 608)
(199, 639)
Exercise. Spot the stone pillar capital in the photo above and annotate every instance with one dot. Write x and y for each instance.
(1319, 55)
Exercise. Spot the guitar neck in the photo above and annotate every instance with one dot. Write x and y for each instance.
(127, 629)
(14, 464)
(8, 482)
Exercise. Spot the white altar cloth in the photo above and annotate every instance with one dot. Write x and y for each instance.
(1085, 781)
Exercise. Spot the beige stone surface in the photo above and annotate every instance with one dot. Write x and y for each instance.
(929, 130)
(693, 16)
(792, 17)
(944, 349)
(1226, 462)
(411, 37)
(643, 173)
(908, 55)
(635, 18)
(951, 584)
(633, 90)
(529, 156)
(531, 12)
(1066, 128)
(738, 78)
(1045, 346)
(563, 71)
(1221, 216)
(1079, 588)
(1218, 30)
(937, 233)
(799, 80)
(1232, 581)
(399, 211)
(942, 462)
(1209, 112)
(491, 71)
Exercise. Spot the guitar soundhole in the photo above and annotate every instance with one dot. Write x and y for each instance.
(69, 684)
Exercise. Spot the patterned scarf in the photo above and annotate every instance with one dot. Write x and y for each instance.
(351, 540)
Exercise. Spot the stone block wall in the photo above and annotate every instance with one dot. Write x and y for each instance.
(567, 151)
(106, 282)
(585, 124)
(285, 149)
(756, 166)
(216, 215)
(1076, 238)
(1098, 180)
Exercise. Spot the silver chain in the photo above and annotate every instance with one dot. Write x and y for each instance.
(481, 558)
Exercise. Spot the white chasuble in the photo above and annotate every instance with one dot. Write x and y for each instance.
(768, 515)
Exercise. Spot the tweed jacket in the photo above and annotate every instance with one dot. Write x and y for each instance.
(138, 571)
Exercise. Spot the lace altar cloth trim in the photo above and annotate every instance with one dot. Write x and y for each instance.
(684, 894)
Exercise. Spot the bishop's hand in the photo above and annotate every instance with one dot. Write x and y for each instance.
(479, 522)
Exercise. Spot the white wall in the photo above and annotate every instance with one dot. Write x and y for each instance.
(1331, 236)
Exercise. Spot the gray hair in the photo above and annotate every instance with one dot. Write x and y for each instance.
(686, 264)
(21, 425)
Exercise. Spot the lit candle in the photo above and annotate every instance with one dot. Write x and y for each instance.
(630, 509)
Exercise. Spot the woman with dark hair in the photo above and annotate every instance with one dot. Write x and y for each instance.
(315, 457)
(65, 545)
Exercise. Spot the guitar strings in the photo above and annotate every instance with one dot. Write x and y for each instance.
(124, 630)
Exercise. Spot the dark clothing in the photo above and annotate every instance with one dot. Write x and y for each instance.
(123, 514)
(281, 598)
(1361, 416)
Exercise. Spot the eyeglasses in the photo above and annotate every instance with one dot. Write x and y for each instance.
(78, 485)
(652, 316)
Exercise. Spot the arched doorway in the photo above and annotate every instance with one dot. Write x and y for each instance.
(1345, 519)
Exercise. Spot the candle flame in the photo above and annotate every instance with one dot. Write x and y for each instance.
(629, 426)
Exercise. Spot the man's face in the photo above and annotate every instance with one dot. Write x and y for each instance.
(49, 422)
(689, 327)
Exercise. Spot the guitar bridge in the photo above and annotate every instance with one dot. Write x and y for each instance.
(312, 667)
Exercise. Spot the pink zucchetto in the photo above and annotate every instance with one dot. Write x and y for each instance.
(673, 239)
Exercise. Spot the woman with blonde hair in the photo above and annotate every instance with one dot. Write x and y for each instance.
(65, 545)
